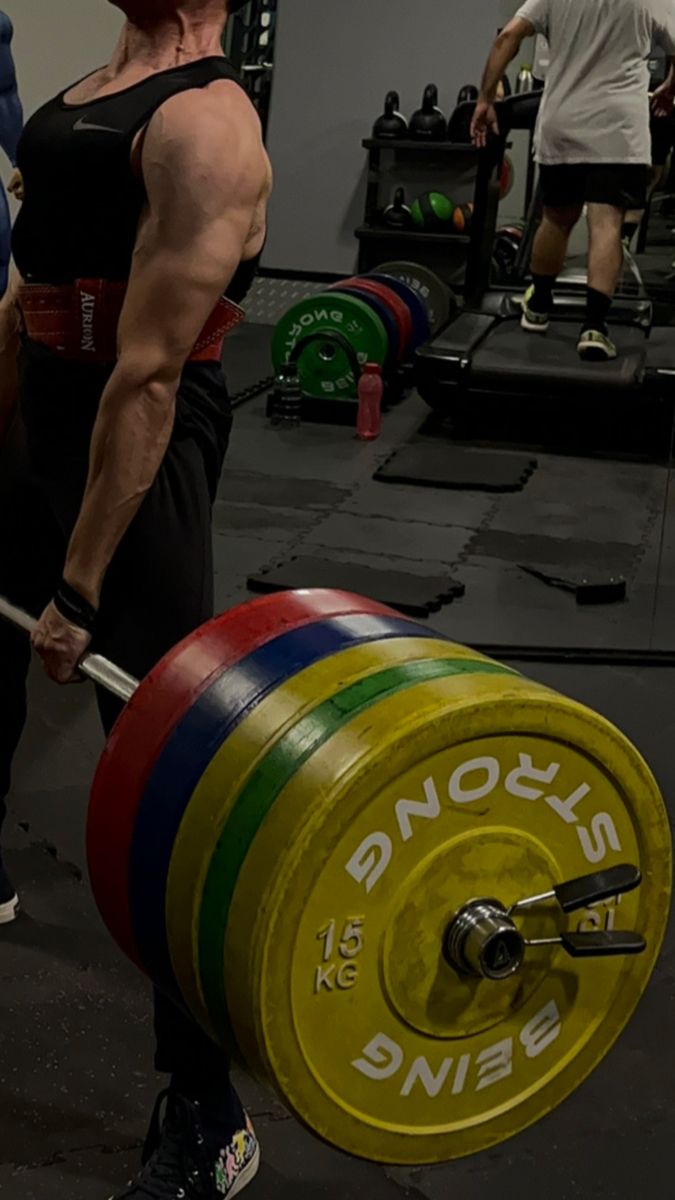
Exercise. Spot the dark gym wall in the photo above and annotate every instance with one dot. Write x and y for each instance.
(335, 62)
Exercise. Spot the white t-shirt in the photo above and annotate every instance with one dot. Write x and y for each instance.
(595, 107)
(542, 58)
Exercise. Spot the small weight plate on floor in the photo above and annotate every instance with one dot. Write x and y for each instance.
(414, 801)
(324, 368)
(399, 310)
(438, 298)
(418, 311)
(383, 311)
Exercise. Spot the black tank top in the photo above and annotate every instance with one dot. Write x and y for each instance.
(83, 201)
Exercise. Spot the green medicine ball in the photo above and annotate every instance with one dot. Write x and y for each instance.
(433, 212)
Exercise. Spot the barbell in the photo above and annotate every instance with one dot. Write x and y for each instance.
(417, 893)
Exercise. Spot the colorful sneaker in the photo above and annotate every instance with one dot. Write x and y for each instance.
(181, 1164)
(533, 321)
(238, 1164)
(595, 346)
(9, 901)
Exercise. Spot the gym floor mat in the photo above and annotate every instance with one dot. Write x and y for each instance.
(415, 595)
(424, 463)
(556, 555)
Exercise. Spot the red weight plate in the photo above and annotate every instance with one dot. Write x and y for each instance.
(398, 308)
(152, 714)
(506, 178)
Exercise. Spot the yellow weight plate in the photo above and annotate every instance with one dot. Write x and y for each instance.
(337, 982)
(217, 791)
(262, 788)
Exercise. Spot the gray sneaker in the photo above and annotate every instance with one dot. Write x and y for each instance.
(531, 320)
(594, 346)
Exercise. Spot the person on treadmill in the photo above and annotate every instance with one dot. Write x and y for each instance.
(592, 139)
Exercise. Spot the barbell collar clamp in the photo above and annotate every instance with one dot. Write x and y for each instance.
(482, 940)
(591, 889)
(598, 944)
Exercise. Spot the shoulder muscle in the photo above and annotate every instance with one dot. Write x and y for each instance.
(205, 146)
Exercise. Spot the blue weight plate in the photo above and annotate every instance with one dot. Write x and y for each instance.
(418, 312)
(194, 742)
(382, 312)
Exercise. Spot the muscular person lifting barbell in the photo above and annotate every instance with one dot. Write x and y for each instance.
(145, 197)
(290, 822)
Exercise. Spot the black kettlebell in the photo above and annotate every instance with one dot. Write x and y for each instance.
(428, 123)
(398, 214)
(459, 125)
(392, 124)
(468, 95)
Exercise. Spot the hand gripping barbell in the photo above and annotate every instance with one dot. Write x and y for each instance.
(396, 878)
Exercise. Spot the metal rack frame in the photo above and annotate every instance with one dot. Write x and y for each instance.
(250, 37)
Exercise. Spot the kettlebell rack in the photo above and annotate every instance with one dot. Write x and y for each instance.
(390, 165)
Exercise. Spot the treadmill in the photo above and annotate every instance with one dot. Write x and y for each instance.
(655, 254)
(497, 384)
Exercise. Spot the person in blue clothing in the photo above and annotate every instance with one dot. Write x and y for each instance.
(11, 127)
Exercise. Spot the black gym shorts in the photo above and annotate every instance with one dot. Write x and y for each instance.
(623, 185)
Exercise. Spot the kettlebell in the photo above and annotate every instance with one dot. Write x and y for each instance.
(428, 123)
(468, 95)
(398, 215)
(392, 124)
(459, 125)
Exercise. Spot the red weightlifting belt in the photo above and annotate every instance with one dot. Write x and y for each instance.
(79, 321)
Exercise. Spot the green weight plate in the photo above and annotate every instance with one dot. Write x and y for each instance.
(438, 298)
(324, 367)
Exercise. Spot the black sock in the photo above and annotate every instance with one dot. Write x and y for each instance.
(629, 229)
(542, 300)
(597, 310)
(221, 1109)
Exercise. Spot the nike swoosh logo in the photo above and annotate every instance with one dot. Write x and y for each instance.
(83, 126)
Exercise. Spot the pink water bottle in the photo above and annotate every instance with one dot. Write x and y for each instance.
(371, 391)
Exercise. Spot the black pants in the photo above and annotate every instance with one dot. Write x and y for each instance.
(159, 586)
